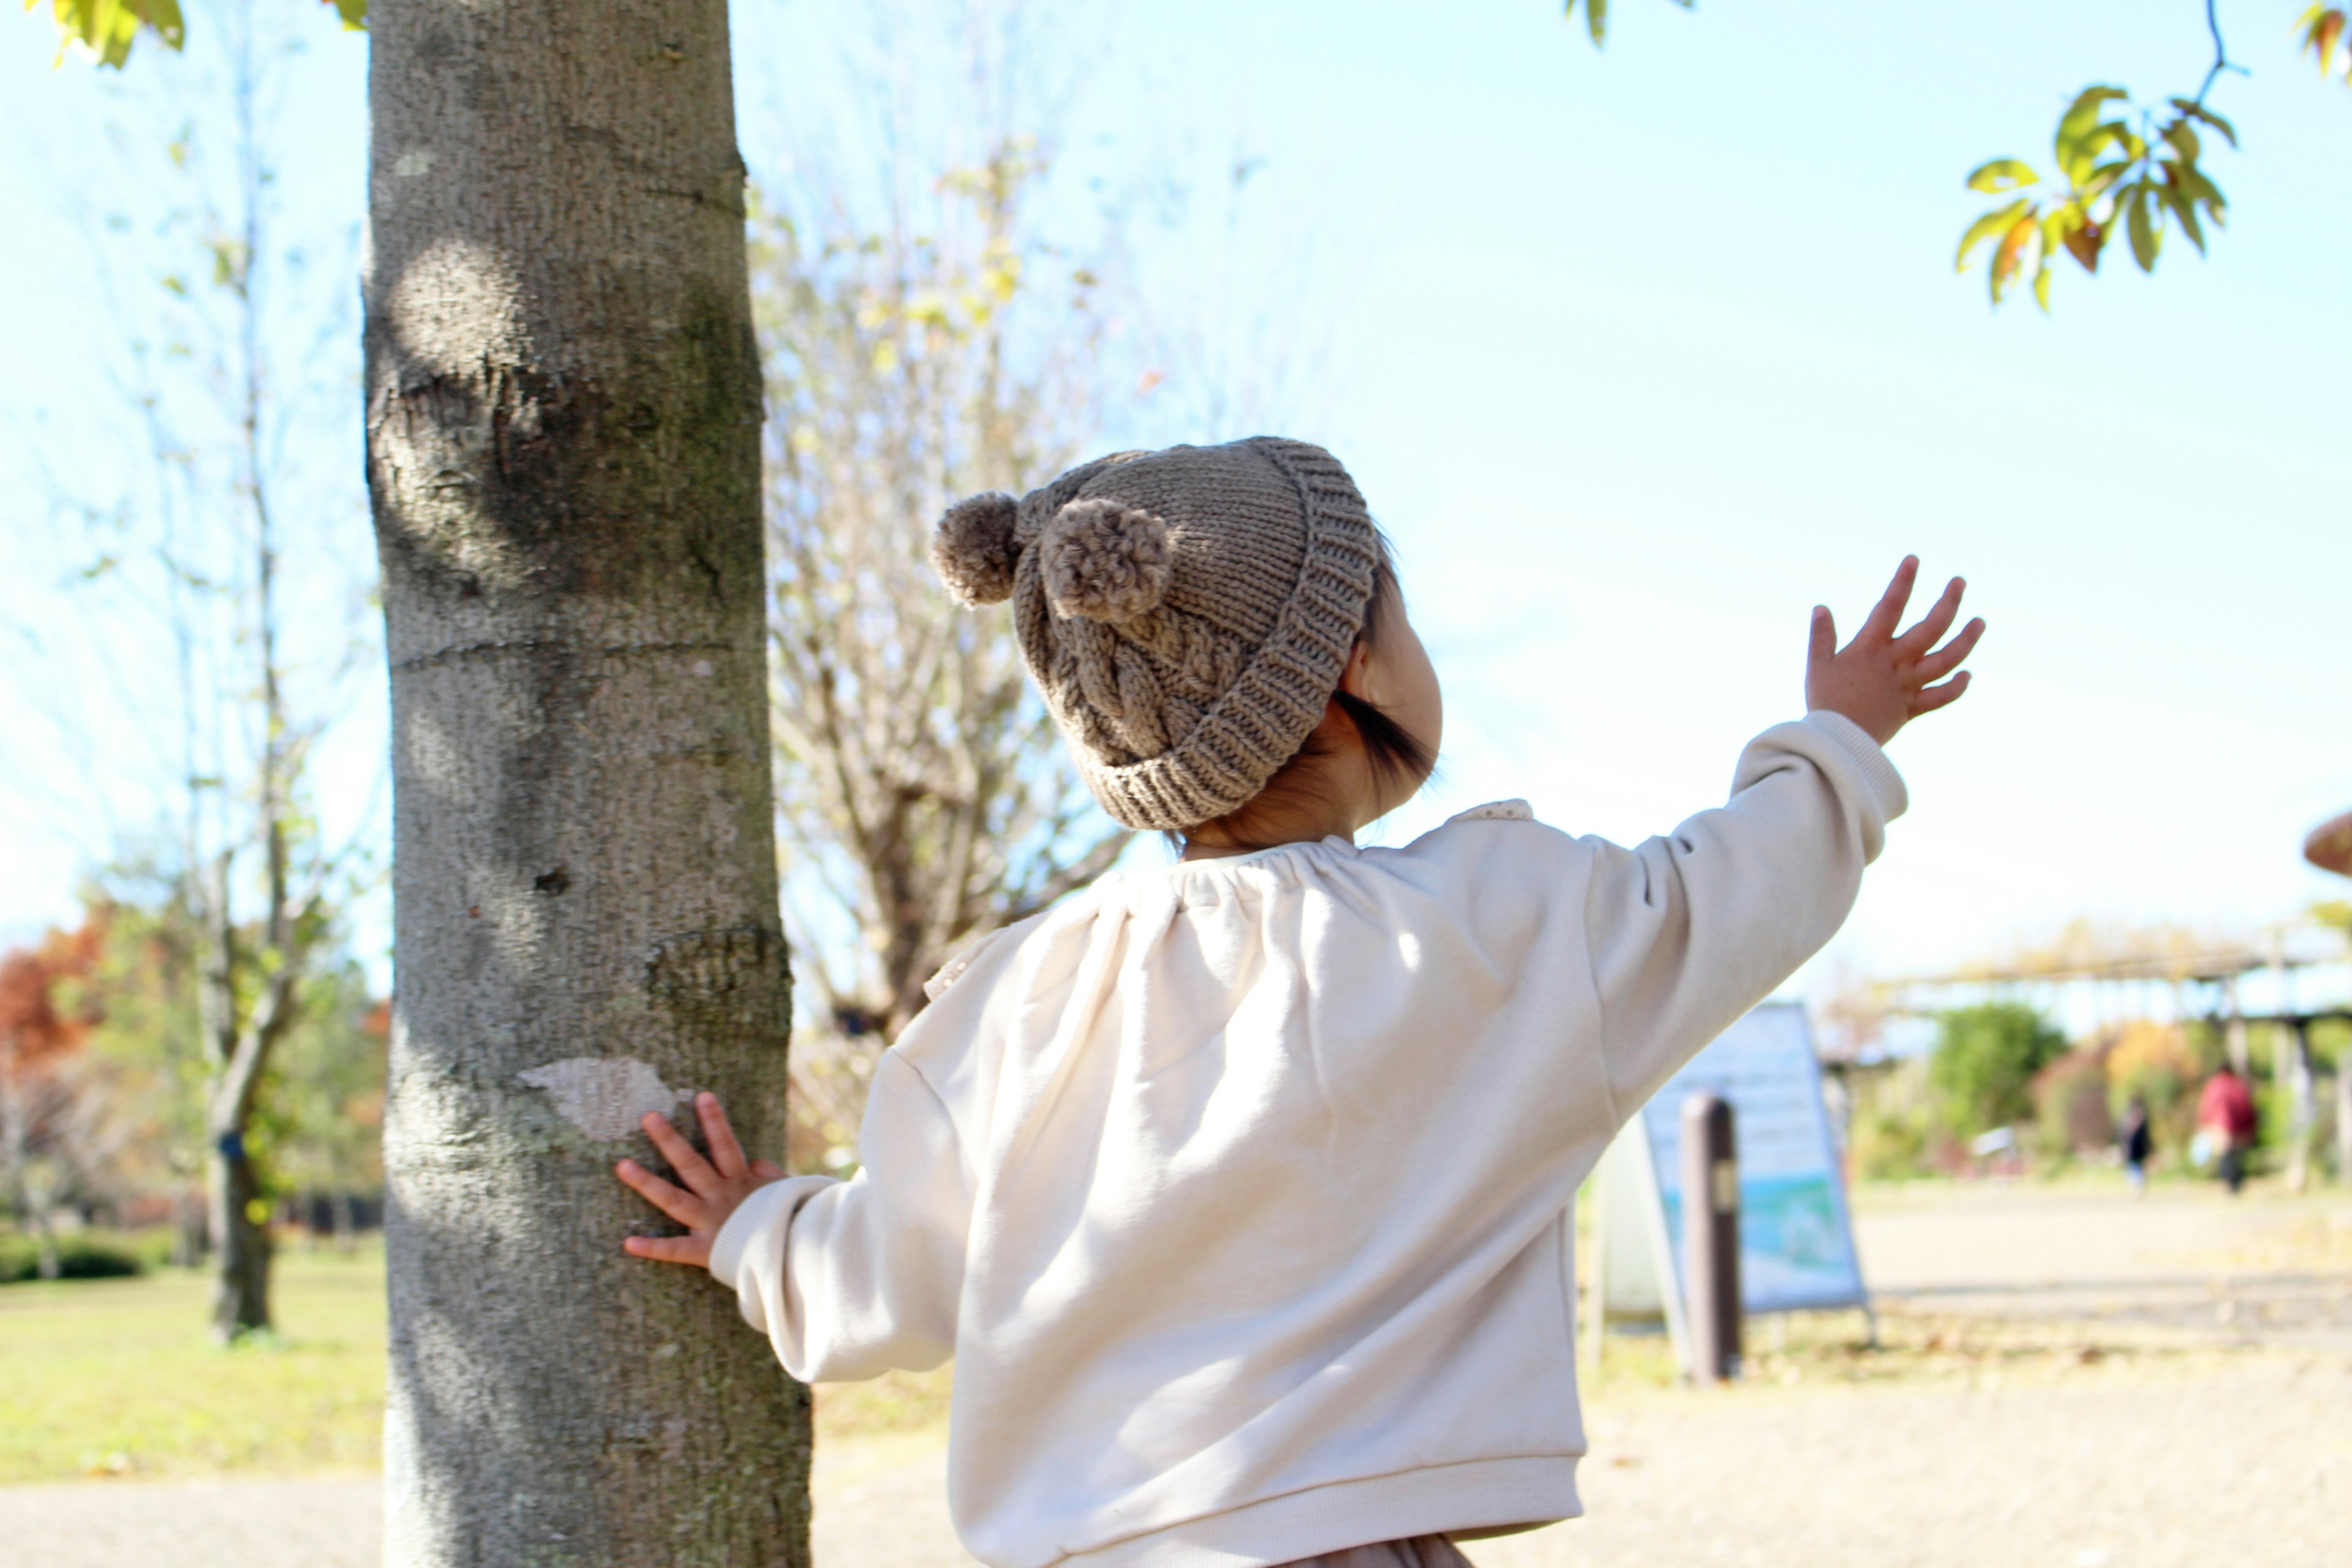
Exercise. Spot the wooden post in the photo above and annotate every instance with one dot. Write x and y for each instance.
(2303, 1107)
(2233, 1029)
(1711, 1237)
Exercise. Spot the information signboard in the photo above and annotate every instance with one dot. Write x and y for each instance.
(1796, 1236)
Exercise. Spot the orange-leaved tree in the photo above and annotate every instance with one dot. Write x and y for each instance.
(41, 1023)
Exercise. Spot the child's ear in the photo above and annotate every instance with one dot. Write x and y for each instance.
(1357, 670)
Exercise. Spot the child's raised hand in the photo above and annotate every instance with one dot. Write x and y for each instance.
(1882, 681)
(714, 1188)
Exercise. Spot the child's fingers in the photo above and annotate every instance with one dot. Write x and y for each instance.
(684, 1157)
(767, 1170)
(1936, 697)
(680, 1206)
(1887, 614)
(1946, 659)
(693, 1249)
(725, 1152)
(1935, 623)
(1823, 645)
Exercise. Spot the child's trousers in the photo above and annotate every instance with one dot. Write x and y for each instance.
(1420, 1552)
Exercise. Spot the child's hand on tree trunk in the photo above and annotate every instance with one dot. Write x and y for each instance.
(715, 1188)
(1882, 681)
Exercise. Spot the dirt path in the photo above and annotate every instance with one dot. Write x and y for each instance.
(2249, 1463)
(316, 1521)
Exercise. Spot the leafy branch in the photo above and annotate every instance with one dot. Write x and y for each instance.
(2146, 177)
(105, 29)
(2152, 181)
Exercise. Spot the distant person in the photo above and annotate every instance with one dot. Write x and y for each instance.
(2137, 1143)
(1238, 1188)
(2225, 1113)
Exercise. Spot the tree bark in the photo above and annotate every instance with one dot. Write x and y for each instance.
(563, 408)
(240, 1241)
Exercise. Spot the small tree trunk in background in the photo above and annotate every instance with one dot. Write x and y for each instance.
(241, 1039)
(563, 411)
(240, 1238)
(16, 1135)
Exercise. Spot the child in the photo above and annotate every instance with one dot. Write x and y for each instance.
(1240, 1190)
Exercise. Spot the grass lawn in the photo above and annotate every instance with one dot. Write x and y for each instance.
(108, 1377)
(121, 1376)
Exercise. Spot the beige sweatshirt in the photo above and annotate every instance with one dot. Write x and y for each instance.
(1240, 1190)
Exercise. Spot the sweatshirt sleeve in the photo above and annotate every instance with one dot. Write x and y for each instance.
(1689, 931)
(851, 1279)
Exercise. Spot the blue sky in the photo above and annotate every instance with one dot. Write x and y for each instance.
(1638, 355)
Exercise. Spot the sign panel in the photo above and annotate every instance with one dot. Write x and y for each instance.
(1796, 1237)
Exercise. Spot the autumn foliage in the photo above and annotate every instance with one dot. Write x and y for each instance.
(44, 1012)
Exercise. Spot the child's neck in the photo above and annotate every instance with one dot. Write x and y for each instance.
(1207, 846)
(1326, 792)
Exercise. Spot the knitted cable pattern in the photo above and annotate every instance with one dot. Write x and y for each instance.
(1185, 612)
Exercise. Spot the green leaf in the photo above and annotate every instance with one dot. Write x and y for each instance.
(106, 28)
(1596, 19)
(2075, 143)
(1985, 227)
(353, 13)
(2186, 211)
(2002, 175)
(2193, 186)
(2183, 139)
(2145, 237)
(2192, 110)
(2041, 284)
(2105, 176)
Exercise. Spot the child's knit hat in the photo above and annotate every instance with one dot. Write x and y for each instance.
(1187, 613)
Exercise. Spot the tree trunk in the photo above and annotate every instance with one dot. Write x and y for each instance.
(240, 1240)
(563, 407)
(15, 1134)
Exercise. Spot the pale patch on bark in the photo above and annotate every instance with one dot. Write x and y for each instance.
(458, 303)
(604, 1097)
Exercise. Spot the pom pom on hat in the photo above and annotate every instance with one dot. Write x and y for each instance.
(975, 551)
(1104, 561)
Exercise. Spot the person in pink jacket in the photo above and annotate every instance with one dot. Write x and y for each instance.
(2225, 1113)
(1240, 1190)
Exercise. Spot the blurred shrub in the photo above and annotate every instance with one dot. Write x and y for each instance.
(1984, 1064)
(2070, 1106)
(1890, 1145)
(2159, 1063)
(80, 1255)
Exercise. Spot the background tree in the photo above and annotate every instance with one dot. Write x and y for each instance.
(1985, 1060)
(41, 1025)
(231, 417)
(563, 425)
(925, 799)
(323, 1136)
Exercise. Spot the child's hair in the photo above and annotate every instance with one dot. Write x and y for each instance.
(1393, 751)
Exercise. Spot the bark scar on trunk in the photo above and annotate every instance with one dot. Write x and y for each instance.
(604, 1097)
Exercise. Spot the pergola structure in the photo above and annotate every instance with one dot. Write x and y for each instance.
(2204, 980)
(2204, 983)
